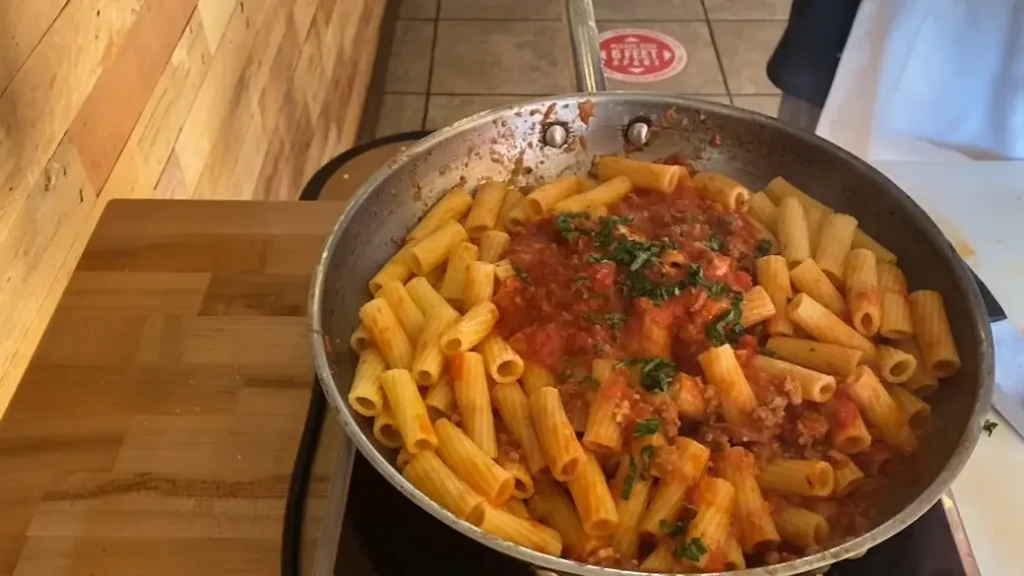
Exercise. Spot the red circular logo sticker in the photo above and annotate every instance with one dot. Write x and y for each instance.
(635, 55)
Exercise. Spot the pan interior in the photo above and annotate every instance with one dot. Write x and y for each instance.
(506, 144)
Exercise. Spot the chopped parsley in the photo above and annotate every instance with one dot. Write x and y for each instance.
(590, 381)
(646, 453)
(580, 279)
(612, 320)
(692, 549)
(714, 243)
(726, 327)
(763, 248)
(565, 224)
(672, 529)
(989, 426)
(522, 274)
(655, 373)
(627, 484)
(646, 427)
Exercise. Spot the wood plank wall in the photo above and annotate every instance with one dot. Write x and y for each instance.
(104, 99)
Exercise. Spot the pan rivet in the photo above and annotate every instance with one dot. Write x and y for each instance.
(637, 133)
(555, 135)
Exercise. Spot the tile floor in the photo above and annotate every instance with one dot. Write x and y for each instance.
(452, 58)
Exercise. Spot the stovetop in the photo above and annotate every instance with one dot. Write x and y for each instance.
(385, 534)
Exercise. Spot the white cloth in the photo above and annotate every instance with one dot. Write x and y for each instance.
(931, 80)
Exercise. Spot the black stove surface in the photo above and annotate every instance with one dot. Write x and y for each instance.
(378, 517)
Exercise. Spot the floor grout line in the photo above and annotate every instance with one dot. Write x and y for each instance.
(718, 55)
(430, 67)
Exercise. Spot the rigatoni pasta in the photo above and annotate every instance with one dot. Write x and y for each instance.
(628, 345)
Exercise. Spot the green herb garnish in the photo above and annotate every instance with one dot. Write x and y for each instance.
(627, 484)
(692, 549)
(580, 279)
(672, 529)
(522, 274)
(655, 373)
(763, 248)
(726, 326)
(646, 453)
(714, 243)
(989, 426)
(589, 380)
(564, 224)
(646, 427)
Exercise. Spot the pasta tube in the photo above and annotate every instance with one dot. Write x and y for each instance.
(550, 504)
(451, 208)
(801, 527)
(828, 358)
(794, 238)
(837, 232)
(522, 486)
(880, 410)
(427, 299)
(385, 428)
(512, 201)
(603, 432)
(479, 283)
(862, 292)
(848, 475)
(761, 208)
(688, 394)
(410, 411)
(922, 382)
(503, 363)
(661, 177)
(517, 508)
(593, 498)
(493, 244)
(917, 411)
(846, 427)
(757, 307)
(714, 500)
(797, 477)
(897, 322)
(895, 365)
(814, 386)
(810, 280)
(544, 198)
(471, 329)
(662, 559)
(779, 188)
(403, 459)
(722, 370)
(408, 314)
(486, 208)
(398, 269)
(453, 287)
(392, 341)
(526, 533)
(429, 475)
(688, 459)
(934, 335)
(734, 559)
(428, 362)
(360, 341)
(823, 325)
(626, 539)
(562, 450)
(469, 463)
(440, 399)
(773, 276)
(607, 193)
(474, 401)
(721, 189)
(433, 250)
(514, 409)
(536, 377)
(754, 523)
(365, 396)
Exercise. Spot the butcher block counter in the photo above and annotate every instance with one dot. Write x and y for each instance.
(155, 429)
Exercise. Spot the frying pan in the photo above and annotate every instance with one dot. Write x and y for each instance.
(536, 141)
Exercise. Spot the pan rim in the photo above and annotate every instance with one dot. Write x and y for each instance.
(931, 494)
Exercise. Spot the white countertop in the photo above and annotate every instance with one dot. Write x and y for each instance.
(980, 208)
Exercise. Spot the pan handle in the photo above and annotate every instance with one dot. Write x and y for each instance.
(586, 52)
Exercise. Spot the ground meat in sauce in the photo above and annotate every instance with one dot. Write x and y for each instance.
(568, 305)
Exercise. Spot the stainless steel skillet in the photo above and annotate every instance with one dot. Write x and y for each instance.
(511, 144)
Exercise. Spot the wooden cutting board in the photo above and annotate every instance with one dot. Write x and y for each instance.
(155, 429)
